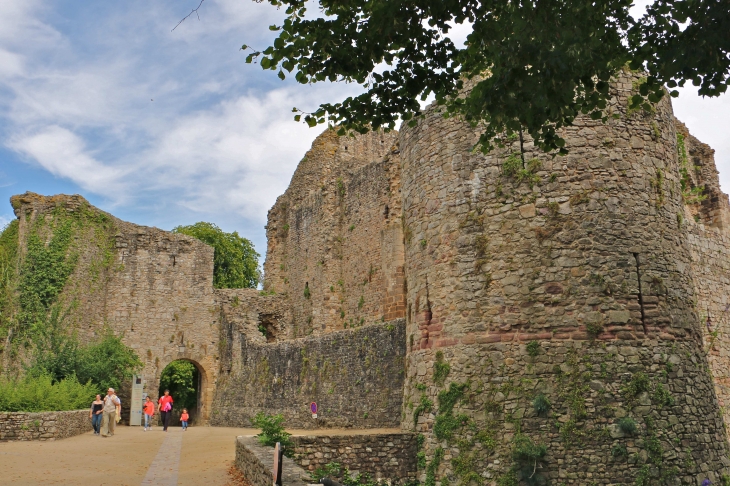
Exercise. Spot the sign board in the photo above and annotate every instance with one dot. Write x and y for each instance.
(278, 460)
(313, 408)
(135, 404)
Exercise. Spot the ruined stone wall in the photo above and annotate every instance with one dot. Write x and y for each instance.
(152, 287)
(355, 376)
(382, 456)
(711, 269)
(334, 237)
(712, 207)
(585, 251)
(21, 426)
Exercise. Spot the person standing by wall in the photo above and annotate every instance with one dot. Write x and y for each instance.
(149, 412)
(110, 411)
(95, 414)
(164, 406)
(184, 419)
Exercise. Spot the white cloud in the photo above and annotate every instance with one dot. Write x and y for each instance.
(63, 154)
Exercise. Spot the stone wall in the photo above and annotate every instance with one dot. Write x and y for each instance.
(334, 237)
(579, 252)
(257, 463)
(588, 387)
(152, 287)
(711, 269)
(355, 376)
(18, 426)
(382, 456)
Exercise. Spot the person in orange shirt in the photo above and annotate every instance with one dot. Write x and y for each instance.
(165, 408)
(149, 411)
(184, 419)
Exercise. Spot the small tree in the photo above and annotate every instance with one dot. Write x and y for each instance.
(272, 431)
(235, 263)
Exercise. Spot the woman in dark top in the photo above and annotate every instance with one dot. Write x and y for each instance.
(95, 414)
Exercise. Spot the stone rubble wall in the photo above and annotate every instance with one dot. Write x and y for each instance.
(585, 251)
(714, 210)
(355, 377)
(334, 237)
(256, 462)
(152, 287)
(382, 456)
(22, 426)
(587, 386)
(711, 269)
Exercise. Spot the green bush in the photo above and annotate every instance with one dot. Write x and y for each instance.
(541, 404)
(627, 425)
(342, 474)
(272, 431)
(527, 457)
(42, 394)
(533, 348)
(104, 363)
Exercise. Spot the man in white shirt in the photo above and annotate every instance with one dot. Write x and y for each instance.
(110, 411)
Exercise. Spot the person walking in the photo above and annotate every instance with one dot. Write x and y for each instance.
(149, 411)
(184, 419)
(164, 406)
(110, 410)
(95, 414)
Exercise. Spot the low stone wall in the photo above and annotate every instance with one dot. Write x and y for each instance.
(257, 462)
(383, 456)
(16, 426)
(355, 376)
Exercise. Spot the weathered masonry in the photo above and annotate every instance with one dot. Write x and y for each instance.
(557, 319)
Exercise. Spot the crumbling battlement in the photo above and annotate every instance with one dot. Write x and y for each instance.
(152, 287)
(334, 237)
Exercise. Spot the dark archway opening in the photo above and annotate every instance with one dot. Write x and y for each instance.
(183, 379)
(268, 327)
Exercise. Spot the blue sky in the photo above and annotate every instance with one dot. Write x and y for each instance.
(164, 127)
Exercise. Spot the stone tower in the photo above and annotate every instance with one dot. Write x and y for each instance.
(552, 326)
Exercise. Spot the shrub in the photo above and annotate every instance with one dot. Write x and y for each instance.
(533, 348)
(627, 425)
(441, 369)
(527, 457)
(342, 473)
(272, 431)
(639, 383)
(541, 404)
(42, 394)
(619, 450)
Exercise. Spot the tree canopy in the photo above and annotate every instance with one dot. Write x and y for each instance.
(536, 64)
(235, 262)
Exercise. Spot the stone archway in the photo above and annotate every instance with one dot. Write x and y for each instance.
(205, 386)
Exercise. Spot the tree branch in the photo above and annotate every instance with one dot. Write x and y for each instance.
(193, 11)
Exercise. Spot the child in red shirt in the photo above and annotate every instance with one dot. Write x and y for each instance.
(149, 411)
(184, 419)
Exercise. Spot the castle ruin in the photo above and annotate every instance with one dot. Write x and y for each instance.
(564, 318)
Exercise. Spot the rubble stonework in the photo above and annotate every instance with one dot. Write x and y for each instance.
(334, 237)
(354, 376)
(152, 287)
(587, 259)
(22, 426)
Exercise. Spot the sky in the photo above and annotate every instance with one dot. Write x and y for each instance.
(166, 127)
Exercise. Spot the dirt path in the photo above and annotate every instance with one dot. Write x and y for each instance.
(125, 458)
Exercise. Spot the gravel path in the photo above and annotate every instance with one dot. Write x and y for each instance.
(131, 456)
